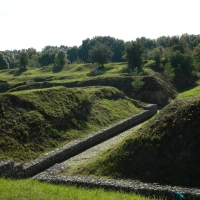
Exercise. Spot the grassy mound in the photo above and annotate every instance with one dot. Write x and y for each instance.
(165, 150)
(36, 121)
(157, 88)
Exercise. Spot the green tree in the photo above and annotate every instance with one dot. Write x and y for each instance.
(148, 43)
(3, 62)
(33, 62)
(137, 82)
(47, 57)
(134, 51)
(31, 52)
(169, 70)
(72, 54)
(162, 41)
(23, 59)
(100, 53)
(196, 56)
(115, 45)
(84, 50)
(61, 58)
(156, 55)
(177, 44)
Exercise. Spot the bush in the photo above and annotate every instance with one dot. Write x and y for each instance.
(137, 84)
(170, 70)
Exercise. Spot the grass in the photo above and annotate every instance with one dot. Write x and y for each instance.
(164, 150)
(193, 93)
(76, 75)
(157, 87)
(39, 120)
(72, 71)
(34, 190)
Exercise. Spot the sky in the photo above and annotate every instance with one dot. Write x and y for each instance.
(38, 23)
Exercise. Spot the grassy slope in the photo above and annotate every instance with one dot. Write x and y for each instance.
(34, 190)
(36, 121)
(67, 73)
(165, 150)
(80, 75)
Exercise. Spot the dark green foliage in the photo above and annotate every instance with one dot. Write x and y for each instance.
(156, 55)
(182, 63)
(64, 48)
(134, 51)
(162, 41)
(115, 45)
(48, 55)
(150, 64)
(170, 70)
(180, 57)
(31, 52)
(197, 57)
(33, 62)
(84, 49)
(4, 86)
(100, 53)
(34, 122)
(46, 58)
(191, 40)
(177, 44)
(137, 81)
(23, 59)
(61, 58)
(148, 43)
(137, 84)
(72, 54)
(3, 62)
(165, 150)
(117, 48)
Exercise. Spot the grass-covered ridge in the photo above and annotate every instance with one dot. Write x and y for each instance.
(165, 150)
(157, 88)
(193, 93)
(34, 190)
(36, 121)
(66, 73)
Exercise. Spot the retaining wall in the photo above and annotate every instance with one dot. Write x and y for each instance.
(10, 169)
(144, 189)
(16, 170)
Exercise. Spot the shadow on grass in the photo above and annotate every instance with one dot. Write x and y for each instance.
(99, 70)
(19, 71)
(57, 69)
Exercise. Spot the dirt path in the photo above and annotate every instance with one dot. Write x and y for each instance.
(96, 150)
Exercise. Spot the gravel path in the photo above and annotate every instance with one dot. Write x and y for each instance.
(96, 150)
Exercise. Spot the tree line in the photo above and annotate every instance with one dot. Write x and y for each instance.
(177, 55)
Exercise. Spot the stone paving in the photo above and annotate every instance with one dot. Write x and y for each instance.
(96, 150)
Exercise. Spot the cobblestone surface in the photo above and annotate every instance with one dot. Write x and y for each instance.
(96, 150)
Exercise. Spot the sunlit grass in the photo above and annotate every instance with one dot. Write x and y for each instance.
(68, 72)
(193, 93)
(34, 190)
(31, 118)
